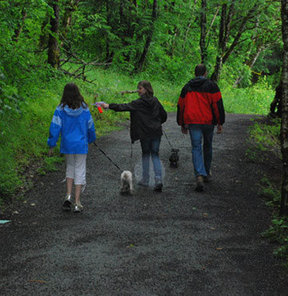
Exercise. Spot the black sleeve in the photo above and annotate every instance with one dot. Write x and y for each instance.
(163, 114)
(132, 106)
(221, 110)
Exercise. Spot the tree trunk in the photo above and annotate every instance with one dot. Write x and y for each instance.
(20, 26)
(109, 53)
(128, 17)
(140, 64)
(70, 7)
(252, 60)
(224, 33)
(203, 25)
(284, 123)
(53, 48)
(250, 14)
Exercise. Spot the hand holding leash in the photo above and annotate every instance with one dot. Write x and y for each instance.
(99, 105)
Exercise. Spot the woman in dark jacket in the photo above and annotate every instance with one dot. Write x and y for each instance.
(146, 118)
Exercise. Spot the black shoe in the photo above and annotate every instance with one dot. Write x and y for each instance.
(143, 183)
(199, 184)
(208, 178)
(158, 187)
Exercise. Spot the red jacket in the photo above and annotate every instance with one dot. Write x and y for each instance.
(200, 102)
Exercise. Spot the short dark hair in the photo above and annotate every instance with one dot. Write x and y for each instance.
(200, 70)
(147, 85)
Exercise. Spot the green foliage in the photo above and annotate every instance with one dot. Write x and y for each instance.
(265, 136)
(270, 192)
(49, 165)
(278, 232)
(255, 99)
(30, 90)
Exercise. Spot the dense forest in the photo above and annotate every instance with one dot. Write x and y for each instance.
(106, 46)
(238, 40)
(45, 42)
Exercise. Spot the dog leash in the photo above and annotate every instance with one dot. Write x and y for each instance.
(167, 139)
(115, 164)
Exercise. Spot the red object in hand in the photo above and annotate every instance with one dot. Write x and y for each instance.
(99, 109)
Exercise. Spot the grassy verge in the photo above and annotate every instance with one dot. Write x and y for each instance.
(266, 147)
(23, 135)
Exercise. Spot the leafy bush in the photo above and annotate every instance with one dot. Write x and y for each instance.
(255, 99)
(265, 137)
(278, 232)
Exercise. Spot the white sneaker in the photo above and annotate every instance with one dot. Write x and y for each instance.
(67, 203)
(78, 208)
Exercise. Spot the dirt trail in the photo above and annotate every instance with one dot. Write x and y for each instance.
(178, 242)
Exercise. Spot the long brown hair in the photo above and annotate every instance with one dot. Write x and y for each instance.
(72, 97)
(148, 87)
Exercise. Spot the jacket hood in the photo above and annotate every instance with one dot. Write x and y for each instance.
(149, 102)
(197, 81)
(73, 112)
(193, 84)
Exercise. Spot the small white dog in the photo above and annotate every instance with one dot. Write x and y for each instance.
(126, 183)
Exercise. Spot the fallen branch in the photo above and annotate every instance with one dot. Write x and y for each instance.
(128, 92)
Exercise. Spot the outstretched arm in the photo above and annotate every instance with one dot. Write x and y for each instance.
(104, 105)
(132, 106)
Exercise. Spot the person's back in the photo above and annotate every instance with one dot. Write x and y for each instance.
(203, 103)
(72, 119)
(199, 108)
(147, 115)
(75, 129)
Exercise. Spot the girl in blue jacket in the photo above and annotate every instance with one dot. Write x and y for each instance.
(72, 119)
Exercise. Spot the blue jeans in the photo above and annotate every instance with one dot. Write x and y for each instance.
(150, 147)
(201, 161)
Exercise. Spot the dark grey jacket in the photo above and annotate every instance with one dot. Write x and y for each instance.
(146, 117)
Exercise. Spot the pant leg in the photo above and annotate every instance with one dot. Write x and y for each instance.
(80, 169)
(70, 165)
(208, 131)
(145, 146)
(155, 145)
(196, 135)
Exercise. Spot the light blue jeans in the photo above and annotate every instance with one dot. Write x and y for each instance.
(201, 160)
(150, 147)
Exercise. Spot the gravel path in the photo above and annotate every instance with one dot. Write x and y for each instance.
(178, 242)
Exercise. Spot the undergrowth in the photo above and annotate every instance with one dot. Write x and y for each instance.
(28, 109)
(265, 140)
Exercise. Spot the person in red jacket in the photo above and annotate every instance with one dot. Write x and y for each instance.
(200, 108)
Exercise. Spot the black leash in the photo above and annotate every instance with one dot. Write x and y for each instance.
(167, 139)
(116, 165)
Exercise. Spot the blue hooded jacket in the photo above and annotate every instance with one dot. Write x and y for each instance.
(76, 127)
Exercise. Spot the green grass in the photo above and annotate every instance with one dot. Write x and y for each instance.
(251, 100)
(264, 138)
(23, 135)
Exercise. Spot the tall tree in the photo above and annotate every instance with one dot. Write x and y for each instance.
(53, 48)
(70, 7)
(149, 36)
(224, 33)
(284, 124)
(20, 26)
(203, 31)
(109, 11)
